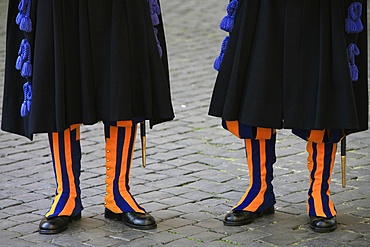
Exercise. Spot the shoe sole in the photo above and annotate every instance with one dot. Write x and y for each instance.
(322, 230)
(112, 216)
(50, 232)
(140, 227)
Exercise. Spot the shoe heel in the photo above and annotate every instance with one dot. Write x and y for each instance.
(75, 218)
(269, 211)
(110, 215)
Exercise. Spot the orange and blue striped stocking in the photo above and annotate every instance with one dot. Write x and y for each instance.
(66, 154)
(260, 158)
(320, 163)
(120, 140)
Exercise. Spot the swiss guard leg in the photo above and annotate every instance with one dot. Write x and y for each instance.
(320, 162)
(66, 154)
(119, 203)
(259, 198)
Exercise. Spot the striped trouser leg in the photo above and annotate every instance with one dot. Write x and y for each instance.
(120, 140)
(260, 158)
(320, 163)
(66, 154)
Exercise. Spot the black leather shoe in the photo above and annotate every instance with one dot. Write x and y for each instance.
(142, 221)
(57, 224)
(240, 217)
(323, 225)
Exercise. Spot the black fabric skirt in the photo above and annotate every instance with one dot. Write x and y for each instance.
(286, 66)
(92, 60)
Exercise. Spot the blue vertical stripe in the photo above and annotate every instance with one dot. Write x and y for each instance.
(76, 167)
(311, 201)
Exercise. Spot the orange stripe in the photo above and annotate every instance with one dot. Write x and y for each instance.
(316, 136)
(122, 180)
(248, 147)
(316, 190)
(263, 133)
(233, 127)
(77, 128)
(124, 123)
(110, 163)
(259, 199)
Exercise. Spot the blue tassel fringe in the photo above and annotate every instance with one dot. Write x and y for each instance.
(353, 22)
(218, 61)
(353, 51)
(22, 56)
(155, 11)
(23, 18)
(23, 62)
(227, 23)
(26, 105)
(158, 43)
(26, 69)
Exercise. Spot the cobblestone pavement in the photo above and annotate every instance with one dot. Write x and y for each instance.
(196, 171)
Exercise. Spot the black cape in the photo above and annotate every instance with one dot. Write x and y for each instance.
(92, 60)
(286, 66)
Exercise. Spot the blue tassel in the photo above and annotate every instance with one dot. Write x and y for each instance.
(22, 6)
(22, 56)
(218, 61)
(353, 72)
(155, 19)
(27, 66)
(227, 23)
(353, 51)
(353, 22)
(26, 105)
(26, 69)
(19, 63)
(158, 43)
(155, 11)
(23, 62)
(19, 18)
(26, 24)
(23, 18)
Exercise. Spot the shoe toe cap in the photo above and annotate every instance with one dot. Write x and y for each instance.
(139, 220)
(320, 224)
